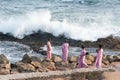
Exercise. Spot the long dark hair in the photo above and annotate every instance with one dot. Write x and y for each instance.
(83, 47)
(100, 46)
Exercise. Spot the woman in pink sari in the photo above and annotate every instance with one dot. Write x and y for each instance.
(65, 47)
(49, 49)
(81, 60)
(99, 56)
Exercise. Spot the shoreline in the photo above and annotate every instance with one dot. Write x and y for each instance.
(55, 75)
(31, 67)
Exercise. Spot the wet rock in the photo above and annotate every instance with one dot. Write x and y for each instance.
(35, 58)
(26, 58)
(43, 52)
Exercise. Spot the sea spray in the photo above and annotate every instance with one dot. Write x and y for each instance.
(74, 20)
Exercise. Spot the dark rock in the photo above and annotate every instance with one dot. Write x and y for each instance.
(35, 58)
(43, 52)
(39, 39)
(26, 59)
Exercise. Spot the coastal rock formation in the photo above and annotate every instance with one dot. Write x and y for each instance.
(35, 64)
(49, 65)
(25, 67)
(38, 39)
(26, 58)
(4, 65)
(73, 59)
(56, 59)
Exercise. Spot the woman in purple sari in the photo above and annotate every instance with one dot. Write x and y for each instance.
(99, 56)
(49, 49)
(81, 60)
(65, 47)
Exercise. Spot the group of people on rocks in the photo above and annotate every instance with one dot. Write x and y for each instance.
(81, 60)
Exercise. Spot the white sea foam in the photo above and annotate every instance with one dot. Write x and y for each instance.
(91, 30)
(76, 21)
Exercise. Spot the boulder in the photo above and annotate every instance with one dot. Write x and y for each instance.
(49, 65)
(25, 67)
(56, 59)
(104, 57)
(110, 58)
(14, 71)
(35, 58)
(36, 64)
(4, 65)
(90, 58)
(3, 59)
(73, 59)
(43, 52)
(42, 69)
(4, 71)
(116, 58)
(89, 62)
(73, 65)
(105, 62)
(26, 58)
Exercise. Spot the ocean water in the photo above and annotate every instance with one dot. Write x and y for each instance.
(15, 51)
(76, 19)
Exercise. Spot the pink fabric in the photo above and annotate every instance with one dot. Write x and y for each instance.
(65, 47)
(81, 60)
(99, 58)
(49, 50)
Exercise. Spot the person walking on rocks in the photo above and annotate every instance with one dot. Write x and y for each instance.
(65, 47)
(49, 49)
(99, 56)
(81, 60)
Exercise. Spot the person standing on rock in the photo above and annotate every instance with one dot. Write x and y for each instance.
(81, 60)
(65, 47)
(49, 49)
(99, 56)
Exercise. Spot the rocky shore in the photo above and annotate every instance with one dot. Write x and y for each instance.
(38, 39)
(30, 64)
(33, 64)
